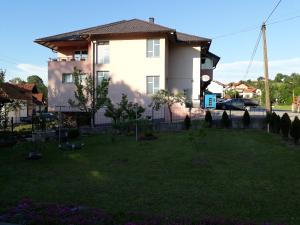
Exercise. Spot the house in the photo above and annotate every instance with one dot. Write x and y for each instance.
(244, 90)
(140, 57)
(30, 101)
(217, 88)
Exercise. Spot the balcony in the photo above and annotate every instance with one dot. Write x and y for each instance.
(67, 64)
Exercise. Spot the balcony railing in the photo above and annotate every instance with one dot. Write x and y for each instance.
(67, 59)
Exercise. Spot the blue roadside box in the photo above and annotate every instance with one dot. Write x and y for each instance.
(210, 101)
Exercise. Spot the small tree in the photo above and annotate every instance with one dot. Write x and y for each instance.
(273, 119)
(246, 119)
(208, 119)
(226, 122)
(295, 130)
(163, 97)
(88, 98)
(285, 124)
(124, 111)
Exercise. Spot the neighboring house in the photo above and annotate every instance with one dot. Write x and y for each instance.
(217, 88)
(28, 97)
(244, 90)
(140, 57)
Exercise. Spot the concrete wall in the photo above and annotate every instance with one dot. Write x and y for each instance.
(184, 69)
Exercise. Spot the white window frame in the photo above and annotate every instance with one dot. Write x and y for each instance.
(151, 80)
(64, 80)
(151, 53)
(101, 59)
(104, 74)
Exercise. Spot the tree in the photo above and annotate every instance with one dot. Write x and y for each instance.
(295, 130)
(17, 80)
(225, 121)
(88, 98)
(123, 111)
(279, 77)
(163, 97)
(41, 87)
(2, 76)
(232, 93)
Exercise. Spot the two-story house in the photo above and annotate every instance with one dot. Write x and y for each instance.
(140, 57)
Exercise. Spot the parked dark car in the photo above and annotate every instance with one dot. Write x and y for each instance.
(233, 104)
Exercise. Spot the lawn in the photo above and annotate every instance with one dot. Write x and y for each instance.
(247, 175)
(282, 107)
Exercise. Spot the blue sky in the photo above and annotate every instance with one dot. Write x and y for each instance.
(23, 21)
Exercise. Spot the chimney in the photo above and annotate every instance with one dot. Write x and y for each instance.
(151, 19)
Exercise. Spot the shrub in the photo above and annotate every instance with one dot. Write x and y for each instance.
(208, 119)
(272, 122)
(285, 124)
(73, 133)
(277, 124)
(226, 122)
(187, 122)
(295, 130)
(246, 118)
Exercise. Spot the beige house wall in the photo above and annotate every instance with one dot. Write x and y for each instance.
(184, 70)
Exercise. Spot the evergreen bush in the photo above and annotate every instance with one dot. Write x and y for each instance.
(208, 119)
(295, 130)
(187, 122)
(273, 120)
(285, 124)
(225, 121)
(246, 119)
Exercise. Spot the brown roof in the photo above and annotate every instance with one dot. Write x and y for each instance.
(10, 91)
(121, 27)
(26, 86)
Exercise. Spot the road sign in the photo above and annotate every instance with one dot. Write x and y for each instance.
(210, 101)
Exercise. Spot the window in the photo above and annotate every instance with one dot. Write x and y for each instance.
(81, 55)
(153, 46)
(152, 84)
(103, 53)
(102, 75)
(67, 78)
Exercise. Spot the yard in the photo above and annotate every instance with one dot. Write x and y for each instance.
(246, 175)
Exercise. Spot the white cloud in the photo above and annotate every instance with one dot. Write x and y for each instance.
(235, 71)
(30, 69)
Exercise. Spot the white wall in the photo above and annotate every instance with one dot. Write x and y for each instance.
(216, 88)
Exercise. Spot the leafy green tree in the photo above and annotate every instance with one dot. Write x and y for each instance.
(232, 93)
(88, 98)
(2, 76)
(41, 87)
(17, 80)
(164, 97)
(279, 77)
(295, 130)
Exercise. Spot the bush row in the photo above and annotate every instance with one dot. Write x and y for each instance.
(284, 126)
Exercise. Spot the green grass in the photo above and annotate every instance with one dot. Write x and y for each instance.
(232, 173)
(282, 107)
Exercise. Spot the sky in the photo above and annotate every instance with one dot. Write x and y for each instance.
(21, 22)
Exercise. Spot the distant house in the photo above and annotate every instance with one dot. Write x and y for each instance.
(30, 100)
(140, 57)
(244, 90)
(217, 88)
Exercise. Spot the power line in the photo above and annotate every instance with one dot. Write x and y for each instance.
(237, 32)
(273, 11)
(253, 54)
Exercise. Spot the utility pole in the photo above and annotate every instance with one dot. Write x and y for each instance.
(267, 90)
